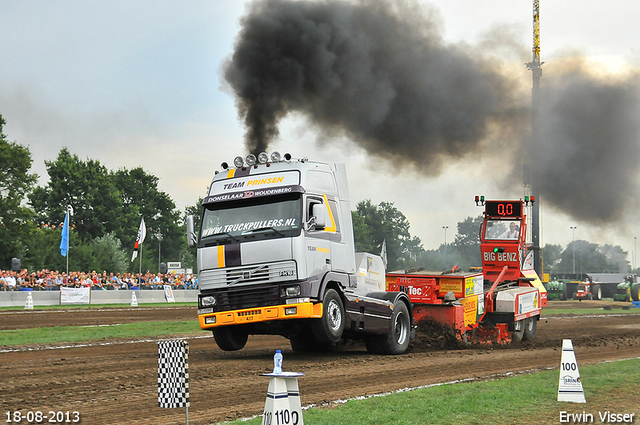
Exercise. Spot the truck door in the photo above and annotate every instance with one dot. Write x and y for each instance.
(318, 243)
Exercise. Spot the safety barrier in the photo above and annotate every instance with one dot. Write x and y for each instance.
(144, 296)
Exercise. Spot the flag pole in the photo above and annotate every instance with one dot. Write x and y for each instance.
(68, 237)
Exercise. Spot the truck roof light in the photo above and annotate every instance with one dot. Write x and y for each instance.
(224, 166)
(238, 162)
(263, 158)
(275, 156)
(498, 249)
(479, 200)
(251, 159)
(287, 156)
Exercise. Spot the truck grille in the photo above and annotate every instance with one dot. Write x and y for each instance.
(252, 274)
(247, 298)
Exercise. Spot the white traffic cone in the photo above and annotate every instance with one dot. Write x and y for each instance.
(29, 304)
(134, 300)
(570, 386)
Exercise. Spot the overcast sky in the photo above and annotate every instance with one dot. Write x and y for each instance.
(138, 83)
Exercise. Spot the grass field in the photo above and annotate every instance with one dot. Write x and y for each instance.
(522, 399)
(101, 306)
(62, 334)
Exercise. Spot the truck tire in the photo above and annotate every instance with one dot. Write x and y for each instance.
(635, 293)
(518, 334)
(231, 338)
(530, 327)
(397, 341)
(328, 329)
(596, 292)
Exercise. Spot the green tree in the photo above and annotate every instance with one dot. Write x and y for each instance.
(465, 247)
(15, 183)
(108, 254)
(592, 258)
(362, 234)
(386, 223)
(551, 255)
(165, 230)
(88, 188)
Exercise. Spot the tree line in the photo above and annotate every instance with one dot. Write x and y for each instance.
(107, 207)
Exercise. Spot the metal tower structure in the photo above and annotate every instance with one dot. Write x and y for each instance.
(531, 176)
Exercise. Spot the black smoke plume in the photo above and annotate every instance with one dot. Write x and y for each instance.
(380, 73)
(589, 148)
(376, 71)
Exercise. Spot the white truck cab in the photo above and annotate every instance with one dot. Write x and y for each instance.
(276, 255)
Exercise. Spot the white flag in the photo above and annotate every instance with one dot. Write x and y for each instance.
(383, 253)
(142, 233)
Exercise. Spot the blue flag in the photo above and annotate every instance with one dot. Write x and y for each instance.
(64, 243)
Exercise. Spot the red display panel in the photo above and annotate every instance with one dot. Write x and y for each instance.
(503, 208)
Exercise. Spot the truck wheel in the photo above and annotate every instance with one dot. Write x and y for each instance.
(329, 328)
(635, 293)
(530, 327)
(596, 292)
(231, 338)
(518, 330)
(398, 341)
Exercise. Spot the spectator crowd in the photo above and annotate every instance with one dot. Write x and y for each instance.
(52, 280)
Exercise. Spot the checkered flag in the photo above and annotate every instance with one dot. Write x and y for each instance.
(173, 374)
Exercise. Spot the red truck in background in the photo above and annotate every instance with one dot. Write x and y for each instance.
(500, 303)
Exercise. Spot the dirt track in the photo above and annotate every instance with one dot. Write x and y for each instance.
(115, 382)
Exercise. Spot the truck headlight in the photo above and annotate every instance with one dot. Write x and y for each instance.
(208, 301)
(292, 291)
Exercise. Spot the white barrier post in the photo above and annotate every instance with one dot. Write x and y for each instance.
(134, 300)
(570, 387)
(29, 304)
(283, 406)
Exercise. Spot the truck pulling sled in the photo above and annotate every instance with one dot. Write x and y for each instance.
(501, 303)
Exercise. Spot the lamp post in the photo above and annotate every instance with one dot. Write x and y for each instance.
(445, 243)
(573, 245)
(159, 237)
(634, 254)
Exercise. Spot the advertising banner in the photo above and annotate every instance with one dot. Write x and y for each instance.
(75, 295)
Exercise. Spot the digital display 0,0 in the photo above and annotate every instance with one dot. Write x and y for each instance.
(503, 208)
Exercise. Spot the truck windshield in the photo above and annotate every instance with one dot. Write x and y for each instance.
(502, 229)
(278, 216)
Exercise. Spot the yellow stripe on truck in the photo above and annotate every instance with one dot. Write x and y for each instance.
(262, 314)
(220, 256)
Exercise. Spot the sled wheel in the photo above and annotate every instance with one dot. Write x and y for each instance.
(530, 327)
(518, 330)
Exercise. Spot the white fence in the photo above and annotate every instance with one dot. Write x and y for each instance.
(42, 298)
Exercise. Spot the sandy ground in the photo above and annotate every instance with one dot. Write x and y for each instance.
(115, 381)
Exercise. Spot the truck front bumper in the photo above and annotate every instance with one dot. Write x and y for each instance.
(305, 310)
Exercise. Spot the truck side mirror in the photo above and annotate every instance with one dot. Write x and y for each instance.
(191, 232)
(319, 216)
